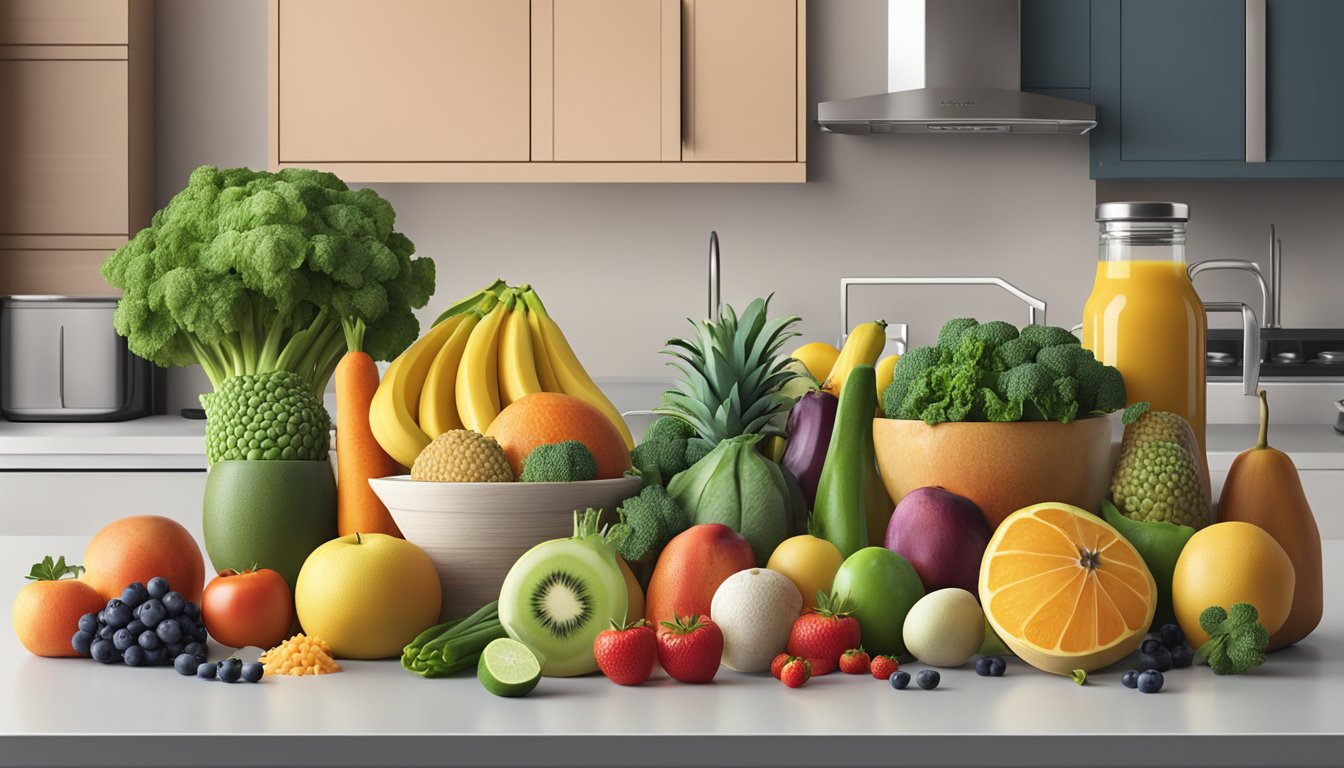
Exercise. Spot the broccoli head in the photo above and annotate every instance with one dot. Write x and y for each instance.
(1014, 352)
(908, 370)
(265, 416)
(1101, 388)
(1048, 335)
(1237, 640)
(246, 272)
(949, 336)
(654, 518)
(994, 333)
(565, 462)
(661, 453)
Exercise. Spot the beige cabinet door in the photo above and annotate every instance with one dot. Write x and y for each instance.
(742, 97)
(403, 80)
(612, 92)
(63, 147)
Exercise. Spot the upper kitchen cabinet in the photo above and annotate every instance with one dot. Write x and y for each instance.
(1212, 89)
(76, 141)
(540, 90)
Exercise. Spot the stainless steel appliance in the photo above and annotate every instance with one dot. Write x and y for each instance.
(60, 360)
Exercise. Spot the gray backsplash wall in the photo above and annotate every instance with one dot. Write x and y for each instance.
(622, 266)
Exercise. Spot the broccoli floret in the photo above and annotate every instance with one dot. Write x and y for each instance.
(654, 518)
(1013, 353)
(566, 462)
(949, 336)
(697, 448)
(995, 408)
(662, 452)
(994, 333)
(1064, 359)
(1237, 641)
(1101, 388)
(1043, 395)
(908, 370)
(1048, 335)
(265, 416)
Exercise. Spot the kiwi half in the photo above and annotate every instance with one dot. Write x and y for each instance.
(558, 597)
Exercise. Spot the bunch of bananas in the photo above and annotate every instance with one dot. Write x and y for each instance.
(491, 348)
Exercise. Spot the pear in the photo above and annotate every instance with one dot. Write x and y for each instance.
(1263, 488)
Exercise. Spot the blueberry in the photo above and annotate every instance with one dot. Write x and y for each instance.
(157, 587)
(102, 651)
(1130, 679)
(997, 666)
(81, 642)
(101, 616)
(1150, 681)
(88, 623)
(1172, 635)
(1182, 656)
(134, 594)
(927, 679)
(156, 657)
(174, 650)
(252, 672)
(175, 604)
(206, 671)
(899, 679)
(151, 612)
(117, 613)
(106, 631)
(148, 640)
(982, 666)
(230, 670)
(135, 656)
(1149, 646)
(195, 649)
(121, 640)
(1160, 659)
(169, 631)
(136, 627)
(192, 611)
(184, 664)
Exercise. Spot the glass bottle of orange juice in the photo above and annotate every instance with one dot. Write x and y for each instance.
(1144, 316)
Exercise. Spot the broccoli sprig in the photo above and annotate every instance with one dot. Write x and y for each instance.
(663, 452)
(569, 461)
(653, 518)
(1237, 641)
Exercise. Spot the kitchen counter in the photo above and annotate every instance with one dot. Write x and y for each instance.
(1311, 446)
(151, 443)
(78, 712)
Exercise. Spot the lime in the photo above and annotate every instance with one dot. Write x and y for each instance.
(508, 668)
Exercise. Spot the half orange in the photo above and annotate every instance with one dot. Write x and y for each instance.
(1064, 589)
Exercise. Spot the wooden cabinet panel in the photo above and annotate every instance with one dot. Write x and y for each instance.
(63, 147)
(64, 22)
(54, 272)
(741, 70)
(403, 80)
(615, 79)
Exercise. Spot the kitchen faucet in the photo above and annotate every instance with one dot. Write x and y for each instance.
(715, 299)
(1270, 291)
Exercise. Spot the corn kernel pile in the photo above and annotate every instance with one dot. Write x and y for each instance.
(300, 655)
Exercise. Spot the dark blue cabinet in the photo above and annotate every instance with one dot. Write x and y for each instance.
(1169, 80)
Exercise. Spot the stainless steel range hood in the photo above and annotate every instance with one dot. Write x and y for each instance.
(954, 66)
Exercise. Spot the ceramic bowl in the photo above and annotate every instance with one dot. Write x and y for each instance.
(475, 531)
(1002, 467)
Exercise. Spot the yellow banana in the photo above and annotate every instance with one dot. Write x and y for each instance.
(477, 386)
(517, 363)
(396, 403)
(545, 371)
(438, 396)
(569, 372)
(864, 345)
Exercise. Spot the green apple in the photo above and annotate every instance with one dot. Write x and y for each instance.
(883, 586)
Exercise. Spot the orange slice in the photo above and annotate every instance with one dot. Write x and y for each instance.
(1064, 589)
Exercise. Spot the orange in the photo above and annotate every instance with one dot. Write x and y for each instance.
(1229, 563)
(140, 547)
(46, 614)
(550, 417)
(1064, 590)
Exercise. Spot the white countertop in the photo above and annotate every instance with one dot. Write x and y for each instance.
(1311, 446)
(154, 442)
(75, 711)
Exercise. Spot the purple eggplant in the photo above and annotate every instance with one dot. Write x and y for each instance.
(810, 425)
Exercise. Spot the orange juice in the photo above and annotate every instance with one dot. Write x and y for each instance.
(1144, 318)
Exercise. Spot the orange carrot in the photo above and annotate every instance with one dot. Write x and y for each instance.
(358, 455)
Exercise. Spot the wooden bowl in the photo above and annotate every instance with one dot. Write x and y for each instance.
(1002, 467)
(475, 531)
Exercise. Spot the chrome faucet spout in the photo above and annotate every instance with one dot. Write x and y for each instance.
(1267, 303)
(1275, 279)
(715, 297)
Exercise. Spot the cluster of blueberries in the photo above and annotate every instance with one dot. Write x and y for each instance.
(149, 625)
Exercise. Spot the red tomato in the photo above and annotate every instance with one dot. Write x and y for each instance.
(248, 608)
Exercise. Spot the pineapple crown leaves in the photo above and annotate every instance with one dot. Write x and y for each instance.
(833, 606)
(732, 374)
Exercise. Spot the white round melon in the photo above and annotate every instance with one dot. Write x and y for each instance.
(755, 609)
(945, 628)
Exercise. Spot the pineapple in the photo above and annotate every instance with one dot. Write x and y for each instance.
(732, 375)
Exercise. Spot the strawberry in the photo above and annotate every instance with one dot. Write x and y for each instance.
(778, 664)
(883, 666)
(690, 649)
(796, 672)
(825, 632)
(854, 661)
(626, 653)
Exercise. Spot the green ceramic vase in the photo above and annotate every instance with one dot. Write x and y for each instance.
(270, 514)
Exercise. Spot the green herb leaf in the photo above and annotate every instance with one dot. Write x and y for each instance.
(1079, 676)
(53, 570)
